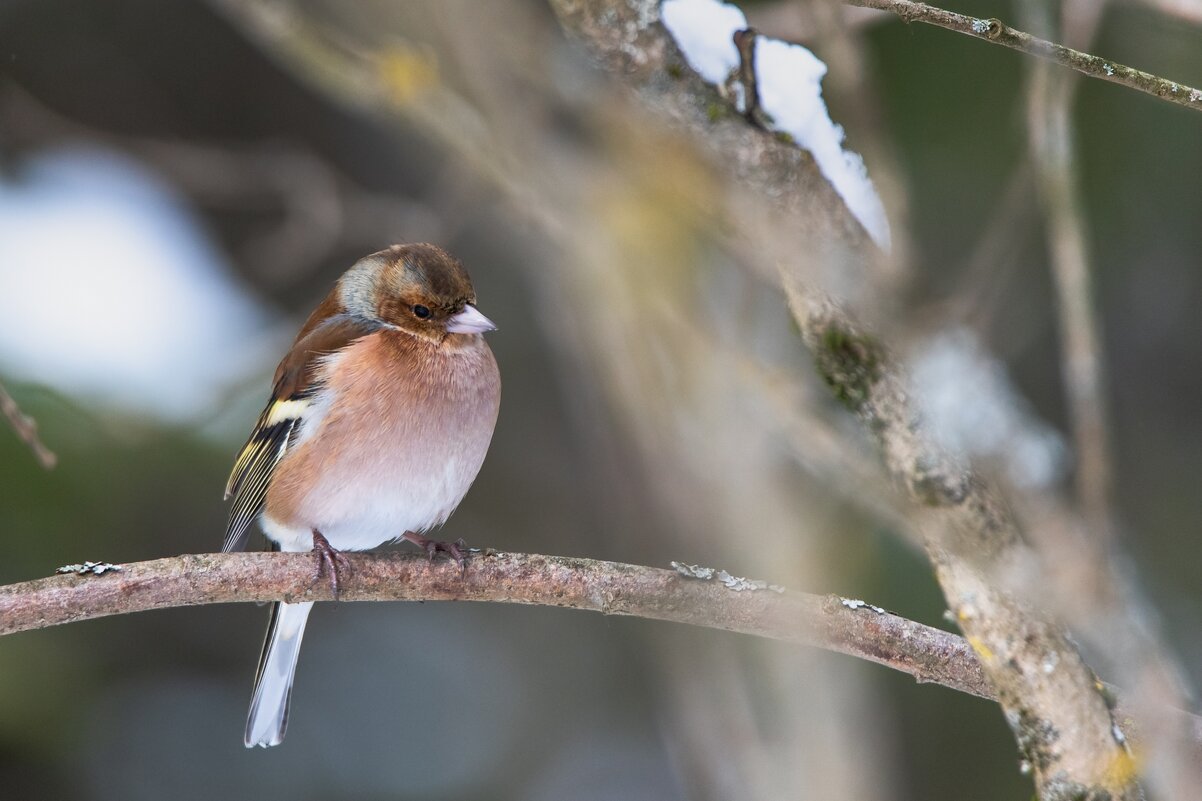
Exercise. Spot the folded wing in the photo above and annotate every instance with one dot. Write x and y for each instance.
(297, 381)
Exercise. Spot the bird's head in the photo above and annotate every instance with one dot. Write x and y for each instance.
(419, 288)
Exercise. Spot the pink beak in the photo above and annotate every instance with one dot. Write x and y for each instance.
(470, 321)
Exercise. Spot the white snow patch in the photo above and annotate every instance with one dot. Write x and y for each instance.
(704, 31)
(974, 409)
(789, 81)
(790, 88)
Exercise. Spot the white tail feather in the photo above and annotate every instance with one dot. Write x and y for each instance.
(268, 716)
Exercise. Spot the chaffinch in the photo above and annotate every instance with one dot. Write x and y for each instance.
(378, 422)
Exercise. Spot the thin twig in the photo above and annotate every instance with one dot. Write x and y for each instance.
(1053, 150)
(27, 429)
(829, 622)
(1114, 604)
(994, 30)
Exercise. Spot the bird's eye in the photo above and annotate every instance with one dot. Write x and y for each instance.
(421, 311)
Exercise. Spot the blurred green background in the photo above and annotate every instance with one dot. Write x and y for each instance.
(175, 196)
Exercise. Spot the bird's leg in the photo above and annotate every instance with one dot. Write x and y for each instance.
(457, 550)
(329, 559)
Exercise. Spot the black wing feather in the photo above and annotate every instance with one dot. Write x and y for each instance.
(252, 474)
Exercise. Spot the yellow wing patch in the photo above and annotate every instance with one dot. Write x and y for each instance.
(284, 410)
(255, 465)
(281, 411)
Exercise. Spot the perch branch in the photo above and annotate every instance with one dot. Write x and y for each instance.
(836, 624)
(996, 31)
(829, 622)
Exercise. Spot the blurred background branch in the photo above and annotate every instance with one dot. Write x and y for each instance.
(1109, 606)
(26, 428)
(976, 544)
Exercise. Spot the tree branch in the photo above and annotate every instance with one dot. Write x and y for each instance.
(1062, 723)
(994, 30)
(836, 624)
(27, 429)
(720, 601)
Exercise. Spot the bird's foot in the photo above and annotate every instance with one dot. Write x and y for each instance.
(457, 550)
(329, 561)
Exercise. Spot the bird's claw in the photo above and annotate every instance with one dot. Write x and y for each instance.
(457, 550)
(330, 561)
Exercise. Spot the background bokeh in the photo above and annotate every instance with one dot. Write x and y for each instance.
(177, 192)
